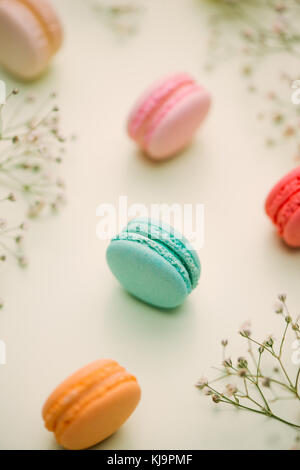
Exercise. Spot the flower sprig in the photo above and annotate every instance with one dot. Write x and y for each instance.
(11, 237)
(247, 386)
(252, 30)
(261, 26)
(28, 150)
(31, 145)
(122, 16)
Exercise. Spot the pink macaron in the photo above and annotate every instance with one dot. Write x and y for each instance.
(166, 117)
(283, 207)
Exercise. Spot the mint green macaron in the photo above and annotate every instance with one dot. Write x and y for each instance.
(154, 263)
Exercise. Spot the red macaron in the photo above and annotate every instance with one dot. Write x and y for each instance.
(283, 207)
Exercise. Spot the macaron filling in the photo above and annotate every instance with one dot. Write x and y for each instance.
(160, 248)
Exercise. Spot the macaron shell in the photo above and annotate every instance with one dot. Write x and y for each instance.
(178, 123)
(146, 274)
(48, 17)
(281, 192)
(291, 233)
(24, 47)
(102, 417)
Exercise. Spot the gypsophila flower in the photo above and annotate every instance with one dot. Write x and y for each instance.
(266, 382)
(122, 16)
(254, 29)
(256, 391)
(230, 390)
(269, 342)
(23, 261)
(216, 398)
(242, 363)
(242, 372)
(227, 363)
(278, 308)
(31, 145)
(245, 329)
(11, 197)
(201, 384)
(282, 297)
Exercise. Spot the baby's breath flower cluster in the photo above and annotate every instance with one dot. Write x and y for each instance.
(30, 145)
(247, 385)
(253, 29)
(122, 16)
(262, 26)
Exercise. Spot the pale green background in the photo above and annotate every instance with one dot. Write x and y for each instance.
(66, 309)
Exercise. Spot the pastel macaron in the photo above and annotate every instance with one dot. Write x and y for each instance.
(91, 404)
(283, 207)
(166, 117)
(154, 263)
(30, 34)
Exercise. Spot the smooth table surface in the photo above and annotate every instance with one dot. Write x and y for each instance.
(66, 309)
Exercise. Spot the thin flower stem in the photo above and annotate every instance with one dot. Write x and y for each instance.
(246, 387)
(282, 384)
(274, 400)
(271, 415)
(218, 379)
(254, 402)
(262, 346)
(283, 339)
(258, 367)
(9, 230)
(6, 248)
(297, 382)
(253, 410)
(263, 397)
(252, 355)
(277, 382)
(285, 372)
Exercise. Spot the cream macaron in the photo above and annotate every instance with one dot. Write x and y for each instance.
(30, 34)
(91, 404)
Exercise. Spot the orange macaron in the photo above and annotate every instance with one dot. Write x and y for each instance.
(30, 34)
(91, 404)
